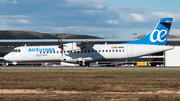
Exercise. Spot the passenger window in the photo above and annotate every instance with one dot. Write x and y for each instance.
(44, 52)
(50, 51)
(92, 51)
(88, 51)
(106, 50)
(54, 52)
(81, 51)
(85, 51)
(113, 50)
(116, 50)
(102, 50)
(40, 52)
(109, 50)
(99, 50)
(122, 50)
(119, 50)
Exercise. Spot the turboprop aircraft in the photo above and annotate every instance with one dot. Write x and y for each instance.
(86, 52)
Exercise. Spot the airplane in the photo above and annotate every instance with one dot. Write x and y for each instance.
(86, 52)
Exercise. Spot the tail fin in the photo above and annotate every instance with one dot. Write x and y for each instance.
(158, 36)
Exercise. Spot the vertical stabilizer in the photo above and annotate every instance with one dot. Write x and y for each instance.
(158, 36)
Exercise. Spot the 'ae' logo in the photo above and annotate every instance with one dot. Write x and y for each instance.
(159, 36)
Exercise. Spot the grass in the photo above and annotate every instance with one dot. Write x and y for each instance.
(95, 71)
(91, 80)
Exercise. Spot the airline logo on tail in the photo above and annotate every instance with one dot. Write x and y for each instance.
(158, 36)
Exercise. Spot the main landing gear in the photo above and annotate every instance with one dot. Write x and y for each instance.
(83, 63)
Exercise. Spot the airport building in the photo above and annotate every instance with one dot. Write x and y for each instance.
(168, 58)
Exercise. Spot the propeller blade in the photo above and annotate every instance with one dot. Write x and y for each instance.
(61, 40)
(62, 48)
(58, 40)
(61, 45)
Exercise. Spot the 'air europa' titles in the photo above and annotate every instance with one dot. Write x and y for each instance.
(40, 49)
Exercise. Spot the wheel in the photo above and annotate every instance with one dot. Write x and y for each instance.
(87, 64)
(81, 63)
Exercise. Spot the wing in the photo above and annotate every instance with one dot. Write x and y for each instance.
(86, 44)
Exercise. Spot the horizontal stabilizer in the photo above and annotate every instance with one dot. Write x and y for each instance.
(165, 21)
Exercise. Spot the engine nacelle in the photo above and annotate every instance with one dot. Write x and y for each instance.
(85, 44)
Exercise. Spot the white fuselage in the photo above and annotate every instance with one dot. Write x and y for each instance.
(86, 51)
(73, 54)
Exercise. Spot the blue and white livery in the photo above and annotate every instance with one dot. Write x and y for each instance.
(158, 36)
(86, 51)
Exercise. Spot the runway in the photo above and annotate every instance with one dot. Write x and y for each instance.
(63, 67)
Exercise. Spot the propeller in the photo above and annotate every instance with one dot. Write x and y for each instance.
(61, 45)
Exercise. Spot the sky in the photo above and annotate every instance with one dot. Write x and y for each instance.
(109, 19)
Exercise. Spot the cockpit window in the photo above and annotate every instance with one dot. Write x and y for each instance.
(13, 50)
(16, 50)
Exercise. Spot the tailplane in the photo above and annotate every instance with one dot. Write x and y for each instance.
(158, 36)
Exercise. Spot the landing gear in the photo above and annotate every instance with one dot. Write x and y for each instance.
(87, 64)
(14, 63)
(83, 63)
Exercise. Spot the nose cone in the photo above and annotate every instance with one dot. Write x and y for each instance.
(6, 57)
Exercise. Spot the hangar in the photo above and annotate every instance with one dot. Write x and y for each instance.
(169, 58)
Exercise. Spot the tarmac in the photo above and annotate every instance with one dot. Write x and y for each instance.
(63, 67)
